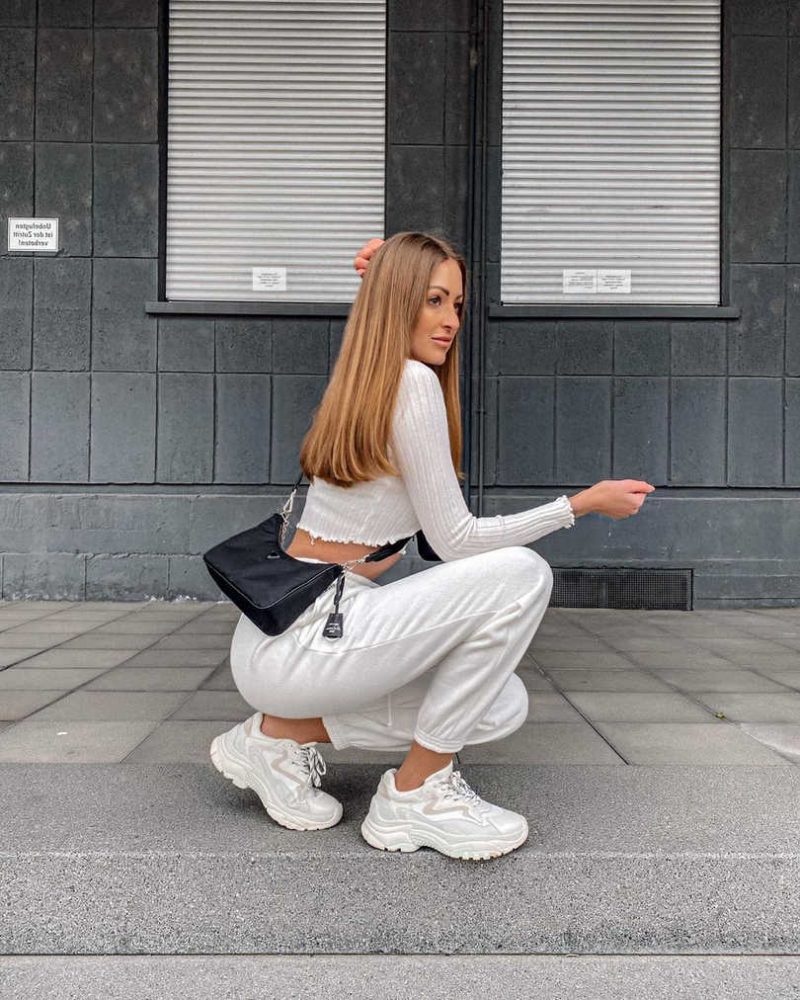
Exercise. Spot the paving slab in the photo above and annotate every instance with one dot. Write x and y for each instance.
(181, 742)
(17, 704)
(11, 656)
(535, 743)
(621, 706)
(172, 859)
(32, 679)
(103, 706)
(704, 679)
(214, 705)
(51, 742)
(151, 679)
(192, 640)
(179, 658)
(402, 977)
(60, 657)
(581, 679)
(784, 707)
(783, 737)
(114, 640)
(220, 680)
(700, 743)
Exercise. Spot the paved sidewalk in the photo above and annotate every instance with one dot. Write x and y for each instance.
(150, 683)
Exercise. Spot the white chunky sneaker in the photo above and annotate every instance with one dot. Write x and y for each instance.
(444, 813)
(285, 775)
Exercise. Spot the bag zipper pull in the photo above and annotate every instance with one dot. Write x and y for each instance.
(334, 626)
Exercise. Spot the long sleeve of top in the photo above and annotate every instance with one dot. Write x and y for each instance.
(421, 451)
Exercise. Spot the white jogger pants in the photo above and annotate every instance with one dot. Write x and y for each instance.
(429, 658)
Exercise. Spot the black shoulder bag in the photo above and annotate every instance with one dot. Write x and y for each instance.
(270, 587)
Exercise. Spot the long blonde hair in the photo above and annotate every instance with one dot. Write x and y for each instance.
(348, 442)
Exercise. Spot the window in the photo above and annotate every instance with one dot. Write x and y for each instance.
(275, 147)
(611, 152)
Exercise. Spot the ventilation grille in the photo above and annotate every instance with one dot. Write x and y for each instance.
(632, 589)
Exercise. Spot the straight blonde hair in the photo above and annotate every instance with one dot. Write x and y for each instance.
(348, 441)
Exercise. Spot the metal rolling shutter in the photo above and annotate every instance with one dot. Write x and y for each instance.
(275, 145)
(611, 161)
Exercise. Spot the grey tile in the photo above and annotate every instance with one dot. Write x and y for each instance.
(185, 446)
(794, 92)
(416, 79)
(123, 428)
(419, 15)
(550, 706)
(534, 681)
(125, 200)
(758, 99)
(125, 86)
(64, 191)
(545, 743)
(583, 429)
(109, 640)
(188, 577)
(123, 336)
(755, 432)
(699, 348)
(300, 346)
(108, 706)
(457, 70)
(126, 13)
(16, 315)
(630, 681)
(681, 661)
(717, 680)
(415, 189)
(620, 706)
(179, 742)
(757, 17)
(455, 221)
(136, 577)
(151, 679)
(207, 624)
(792, 435)
(214, 705)
(178, 658)
(696, 744)
(18, 12)
(190, 640)
(243, 346)
(24, 678)
(641, 348)
(294, 398)
(242, 442)
(35, 574)
(65, 13)
(220, 680)
(14, 418)
(16, 193)
(585, 347)
(522, 348)
(185, 345)
(698, 432)
(756, 340)
(64, 84)
(60, 428)
(783, 707)
(793, 216)
(793, 320)
(525, 452)
(46, 742)
(794, 18)
(758, 205)
(582, 658)
(16, 83)
(641, 407)
(782, 737)
(61, 314)
(9, 656)
(19, 704)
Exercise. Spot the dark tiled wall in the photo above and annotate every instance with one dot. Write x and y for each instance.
(689, 403)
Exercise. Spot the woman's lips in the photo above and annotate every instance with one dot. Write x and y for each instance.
(442, 340)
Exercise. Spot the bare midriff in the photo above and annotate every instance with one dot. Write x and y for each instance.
(303, 546)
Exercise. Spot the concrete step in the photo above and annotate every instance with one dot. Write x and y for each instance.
(511, 977)
(172, 859)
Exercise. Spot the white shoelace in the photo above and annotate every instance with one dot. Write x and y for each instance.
(311, 762)
(455, 787)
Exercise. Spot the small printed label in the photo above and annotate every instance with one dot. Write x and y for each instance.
(579, 281)
(613, 281)
(33, 234)
(269, 279)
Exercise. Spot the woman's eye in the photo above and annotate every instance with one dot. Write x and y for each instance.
(435, 300)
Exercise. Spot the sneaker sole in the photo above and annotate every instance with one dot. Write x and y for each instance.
(235, 772)
(399, 839)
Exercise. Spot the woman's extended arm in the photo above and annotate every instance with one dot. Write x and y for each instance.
(421, 450)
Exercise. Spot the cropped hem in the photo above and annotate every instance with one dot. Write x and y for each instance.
(437, 746)
(331, 724)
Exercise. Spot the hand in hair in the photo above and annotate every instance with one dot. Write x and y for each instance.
(363, 256)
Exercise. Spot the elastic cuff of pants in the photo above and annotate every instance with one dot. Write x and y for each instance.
(338, 739)
(437, 746)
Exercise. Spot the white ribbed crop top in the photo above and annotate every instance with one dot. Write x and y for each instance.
(426, 494)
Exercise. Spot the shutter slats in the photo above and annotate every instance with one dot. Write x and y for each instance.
(611, 148)
(275, 145)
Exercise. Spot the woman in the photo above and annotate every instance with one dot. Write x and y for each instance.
(425, 664)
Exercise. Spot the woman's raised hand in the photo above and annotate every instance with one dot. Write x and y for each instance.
(363, 256)
(616, 498)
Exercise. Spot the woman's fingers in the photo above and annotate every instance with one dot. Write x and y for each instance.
(636, 486)
(362, 258)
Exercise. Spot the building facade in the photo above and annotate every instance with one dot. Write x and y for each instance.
(138, 430)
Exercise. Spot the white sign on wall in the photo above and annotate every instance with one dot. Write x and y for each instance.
(33, 234)
(596, 281)
(579, 281)
(613, 281)
(269, 279)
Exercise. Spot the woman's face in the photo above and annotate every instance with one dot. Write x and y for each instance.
(440, 316)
